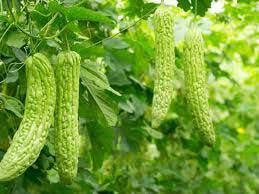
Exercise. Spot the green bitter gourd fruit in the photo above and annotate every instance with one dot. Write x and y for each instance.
(196, 86)
(30, 138)
(165, 62)
(66, 115)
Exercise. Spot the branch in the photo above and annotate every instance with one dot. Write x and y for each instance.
(7, 29)
(15, 24)
(130, 26)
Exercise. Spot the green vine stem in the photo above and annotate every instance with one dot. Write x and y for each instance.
(7, 29)
(124, 29)
(162, 2)
(196, 7)
(1, 6)
(4, 88)
(67, 43)
(193, 20)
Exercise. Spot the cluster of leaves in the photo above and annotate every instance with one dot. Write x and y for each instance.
(120, 152)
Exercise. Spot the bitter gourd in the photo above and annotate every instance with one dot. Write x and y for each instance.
(30, 138)
(66, 115)
(165, 62)
(195, 85)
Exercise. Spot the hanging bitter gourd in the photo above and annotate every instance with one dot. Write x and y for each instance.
(30, 138)
(66, 115)
(195, 85)
(165, 63)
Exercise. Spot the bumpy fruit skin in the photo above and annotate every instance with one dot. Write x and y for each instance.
(66, 115)
(196, 85)
(40, 101)
(165, 62)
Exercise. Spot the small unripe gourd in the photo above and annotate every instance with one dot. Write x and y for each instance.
(30, 138)
(66, 115)
(196, 85)
(165, 62)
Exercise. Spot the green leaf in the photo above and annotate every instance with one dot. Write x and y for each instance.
(15, 106)
(102, 139)
(134, 7)
(202, 6)
(104, 103)
(127, 106)
(139, 8)
(86, 51)
(40, 14)
(53, 176)
(96, 82)
(70, 2)
(3, 18)
(91, 72)
(184, 4)
(131, 133)
(153, 133)
(115, 43)
(16, 39)
(118, 78)
(81, 13)
(19, 54)
(53, 43)
(139, 105)
(12, 77)
(54, 7)
(4, 130)
(247, 1)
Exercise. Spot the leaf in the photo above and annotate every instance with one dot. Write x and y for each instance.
(4, 131)
(86, 51)
(247, 1)
(139, 105)
(69, 2)
(13, 75)
(16, 39)
(81, 13)
(202, 6)
(102, 139)
(104, 103)
(3, 18)
(153, 133)
(134, 7)
(119, 62)
(184, 4)
(53, 176)
(55, 7)
(139, 8)
(40, 14)
(50, 142)
(131, 134)
(15, 106)
(53, 43)
(96, 83)
(90, 71)
(19, 54)
(127, 106)
(115, 43)
(118, 78)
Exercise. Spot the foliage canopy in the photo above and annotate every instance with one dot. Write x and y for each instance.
(120, 152)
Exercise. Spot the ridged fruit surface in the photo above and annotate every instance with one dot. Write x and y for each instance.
(165, 62)
(196, 85)
(66, 115)
(30, 138)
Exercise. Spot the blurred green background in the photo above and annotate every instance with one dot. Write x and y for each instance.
(120, 152)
